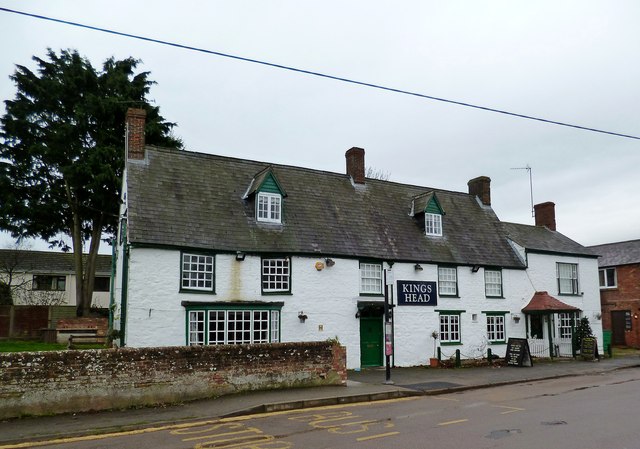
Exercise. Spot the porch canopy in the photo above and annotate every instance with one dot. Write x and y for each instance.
(543, 303)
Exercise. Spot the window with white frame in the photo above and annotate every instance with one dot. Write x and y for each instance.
(197, 272)
(49, 282)
(567, 274)
(433, 224)
(233, 326)
(276, 275)
(565, 325)
(608, 278)
(269, 207)
(370, 278)
(493, 283)
(495, 328)
(450, 327)
(448, 281)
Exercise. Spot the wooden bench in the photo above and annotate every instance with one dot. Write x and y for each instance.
(76, 341)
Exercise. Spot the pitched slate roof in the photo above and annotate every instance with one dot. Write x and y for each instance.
(191, 200)
(619, 253)
(542, 239)
(47, 262)
(544, 302)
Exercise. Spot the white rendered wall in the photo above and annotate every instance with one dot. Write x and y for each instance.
(329, 298)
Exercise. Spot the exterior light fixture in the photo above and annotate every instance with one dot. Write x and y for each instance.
(475, 268)
(302, 316)
(240, 256)
(418, 267)
(330, 262)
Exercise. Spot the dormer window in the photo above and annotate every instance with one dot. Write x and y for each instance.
(266, 191)
(426, 209)
(269, 206)
(433, 224)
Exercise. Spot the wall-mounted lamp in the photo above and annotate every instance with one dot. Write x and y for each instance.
(516, 318)
(597, 316)
(475, 268)
(240, 256)
(358, 315)
(330, 262)
(302, 316)
(418, 267)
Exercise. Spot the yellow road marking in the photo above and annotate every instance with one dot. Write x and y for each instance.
(510, 409)
(458, 421)
(440, 398)
(104, 436)
(380, 435)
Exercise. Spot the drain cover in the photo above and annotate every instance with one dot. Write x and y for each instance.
(553, 423)
(497, 434)
(431, 386)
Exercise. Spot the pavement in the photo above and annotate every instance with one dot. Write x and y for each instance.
(362, 386)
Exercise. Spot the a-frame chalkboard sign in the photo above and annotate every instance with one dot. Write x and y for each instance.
(518, 353)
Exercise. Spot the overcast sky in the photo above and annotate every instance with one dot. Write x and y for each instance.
(569, 61)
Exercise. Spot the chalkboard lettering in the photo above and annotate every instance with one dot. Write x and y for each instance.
(589, 349)
(518, 353)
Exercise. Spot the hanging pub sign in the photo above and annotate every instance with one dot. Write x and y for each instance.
(417, 293)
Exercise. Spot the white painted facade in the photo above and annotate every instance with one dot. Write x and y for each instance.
(329, 298)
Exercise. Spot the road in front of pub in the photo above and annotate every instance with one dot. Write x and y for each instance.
(595, 411)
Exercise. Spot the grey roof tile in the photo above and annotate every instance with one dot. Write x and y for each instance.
(540, 238)
(618, 253)
(47, 262)
(194, 200)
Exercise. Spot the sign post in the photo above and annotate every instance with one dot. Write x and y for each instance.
(388, 328)
(518, 352)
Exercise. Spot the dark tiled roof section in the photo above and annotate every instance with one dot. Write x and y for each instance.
(619, 253)
(193, 200)
(47, 262)
(540, 238)
(544, 302)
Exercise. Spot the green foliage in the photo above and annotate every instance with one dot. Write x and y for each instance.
(63, 139)
(29, 346)
(62, 143)
(583, 330)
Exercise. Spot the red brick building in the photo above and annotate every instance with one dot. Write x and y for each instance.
(619, 269)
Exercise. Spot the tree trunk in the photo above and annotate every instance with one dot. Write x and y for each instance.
(90, 266)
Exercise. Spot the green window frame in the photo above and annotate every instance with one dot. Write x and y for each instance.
(496, 327)
(371, 278)
(448, 281)
(493, 283)
(275, 275)
(228, 324)
(197, 272)
(450, 327)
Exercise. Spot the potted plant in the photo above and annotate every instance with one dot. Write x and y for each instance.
(433, 361)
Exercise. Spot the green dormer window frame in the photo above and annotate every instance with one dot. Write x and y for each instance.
(428, 204)
(268, 195)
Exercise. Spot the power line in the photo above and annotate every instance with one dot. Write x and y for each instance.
(318, 74)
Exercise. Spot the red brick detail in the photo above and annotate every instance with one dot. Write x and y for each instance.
(625, 296)
(546, 215)
(355, 164)
(481, 187)
(136, 119)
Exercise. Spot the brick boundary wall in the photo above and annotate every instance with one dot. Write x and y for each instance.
(42, 383)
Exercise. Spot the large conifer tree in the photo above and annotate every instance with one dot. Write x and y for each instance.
(62, 153)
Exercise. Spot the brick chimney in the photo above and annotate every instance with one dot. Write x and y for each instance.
(135, 121)
(546, 215)
(355, 164)
(481, 187)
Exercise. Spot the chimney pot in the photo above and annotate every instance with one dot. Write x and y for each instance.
(135, 120)
(355, 164)
(481, 187)
(546, 215)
